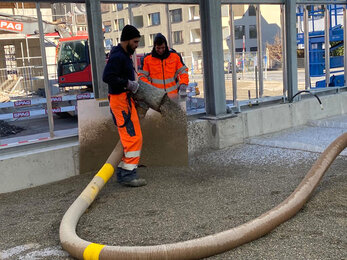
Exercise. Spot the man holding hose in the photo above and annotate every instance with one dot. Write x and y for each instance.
(119, 74)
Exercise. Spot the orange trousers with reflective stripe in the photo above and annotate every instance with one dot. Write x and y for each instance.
(127, 121)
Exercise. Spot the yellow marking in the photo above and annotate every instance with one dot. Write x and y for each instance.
(106, 172)
(92, 251)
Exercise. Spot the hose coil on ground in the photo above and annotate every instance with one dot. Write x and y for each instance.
(195, 248)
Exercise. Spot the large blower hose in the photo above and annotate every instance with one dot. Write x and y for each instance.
(195, 248)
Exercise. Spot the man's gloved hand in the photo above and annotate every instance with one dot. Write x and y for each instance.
(182, 90)
(133, 86)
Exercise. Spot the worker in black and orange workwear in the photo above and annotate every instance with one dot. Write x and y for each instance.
(164, 69)
(120, 77)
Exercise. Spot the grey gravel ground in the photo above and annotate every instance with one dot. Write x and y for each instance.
(219, 190)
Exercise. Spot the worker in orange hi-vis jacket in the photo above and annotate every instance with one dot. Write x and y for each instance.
(164, 69)
(120, 77)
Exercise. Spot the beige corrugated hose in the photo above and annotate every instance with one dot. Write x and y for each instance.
(196, 248)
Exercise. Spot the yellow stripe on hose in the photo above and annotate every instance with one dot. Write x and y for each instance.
(92, 251)
(106, 172)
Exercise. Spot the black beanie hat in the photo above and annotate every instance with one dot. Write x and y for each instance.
(129, 32)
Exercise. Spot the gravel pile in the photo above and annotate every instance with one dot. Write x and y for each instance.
(6, 129)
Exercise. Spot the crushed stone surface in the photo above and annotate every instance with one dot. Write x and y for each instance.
(219, 190)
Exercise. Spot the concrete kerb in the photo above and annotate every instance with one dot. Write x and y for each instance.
(260, 121)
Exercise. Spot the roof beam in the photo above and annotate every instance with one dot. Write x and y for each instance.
(338, 2)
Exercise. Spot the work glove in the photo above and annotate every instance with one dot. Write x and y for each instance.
(182, 91)
(133, 86)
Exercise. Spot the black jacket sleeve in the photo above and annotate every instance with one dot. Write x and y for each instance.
(114, 74)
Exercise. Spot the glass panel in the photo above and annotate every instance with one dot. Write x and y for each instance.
(154, 19)
(246, 47)
(176, 15)
(316, 43)
(138, 21)
(185, 37)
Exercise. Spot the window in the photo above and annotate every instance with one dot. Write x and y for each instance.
(108, 44)
(194, 13)
(195, 35)
(120, 7)
(142, 41)
(239, 32)
(10, 60)
(253, 49)
(251, 10)
(154, 19)
(72, 57)
(238, 49)
(151, 39)
(176, 16)
(252, 31)
(138, 21)
(107, 26)
(177, 37)
(121, 24)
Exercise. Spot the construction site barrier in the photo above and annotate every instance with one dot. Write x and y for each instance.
(31, 112)
(195, 248)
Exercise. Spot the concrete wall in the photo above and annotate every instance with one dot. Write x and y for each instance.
(37, 166)
(218, 134)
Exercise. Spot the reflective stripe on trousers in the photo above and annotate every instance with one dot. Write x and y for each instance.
(130, 134)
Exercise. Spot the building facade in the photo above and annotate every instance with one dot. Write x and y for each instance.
(183, 23)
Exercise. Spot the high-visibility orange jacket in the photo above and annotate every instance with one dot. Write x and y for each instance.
(167, 74)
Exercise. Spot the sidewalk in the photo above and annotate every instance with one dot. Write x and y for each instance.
(219, 190)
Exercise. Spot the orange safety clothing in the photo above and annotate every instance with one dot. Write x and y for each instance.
(125, 117)
(167, 74)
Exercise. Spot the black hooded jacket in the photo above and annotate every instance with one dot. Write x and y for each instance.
(119, 69)
(166, 53)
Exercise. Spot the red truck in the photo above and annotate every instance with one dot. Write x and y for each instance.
(73, 62)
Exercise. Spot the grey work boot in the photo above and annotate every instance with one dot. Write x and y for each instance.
(129, 178)
(134, 183)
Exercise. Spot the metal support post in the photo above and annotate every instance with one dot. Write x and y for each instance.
(284, 51)
(211, 32)
(292, 63)
(233, 57)
(45, 72)
(306, 50)
(327, 44)
(345, 41)
(260, 52)
(96, 47)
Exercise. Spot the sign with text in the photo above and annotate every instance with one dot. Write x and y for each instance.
(11, 26)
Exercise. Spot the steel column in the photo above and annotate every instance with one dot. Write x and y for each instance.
(292, 63)
(211, 32)
(260, 53)
(327, 45)
(45, 72)
(345, 41)
(306, 50)
(233, 56)
(284, 51)
(96, 47)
